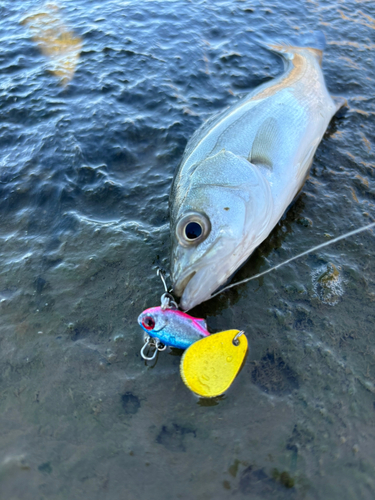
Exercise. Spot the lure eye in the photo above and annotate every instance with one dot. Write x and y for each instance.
(148, 322)
(192, 228)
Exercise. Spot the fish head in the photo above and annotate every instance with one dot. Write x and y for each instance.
(219, 216)
(153, 320)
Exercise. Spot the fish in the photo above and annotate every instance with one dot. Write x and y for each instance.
(241, 170)
(172, 327)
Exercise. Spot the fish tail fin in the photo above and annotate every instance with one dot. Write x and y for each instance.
(341, 103)
(314, 42)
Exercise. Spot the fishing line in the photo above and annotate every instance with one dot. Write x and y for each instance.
(314, 249)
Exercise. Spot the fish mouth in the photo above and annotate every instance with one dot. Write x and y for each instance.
(196, 287)
(181, 284)
(198, 283)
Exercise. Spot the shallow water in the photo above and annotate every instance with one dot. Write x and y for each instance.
(85, 174)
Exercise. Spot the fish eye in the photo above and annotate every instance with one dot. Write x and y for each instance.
(192, 228)
(148, 322)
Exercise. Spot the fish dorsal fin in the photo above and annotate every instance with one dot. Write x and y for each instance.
(201, 322)
(265, 143)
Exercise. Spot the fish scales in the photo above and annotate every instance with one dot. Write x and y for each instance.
(240, 172)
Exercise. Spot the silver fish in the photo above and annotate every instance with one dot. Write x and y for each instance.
(241, 170)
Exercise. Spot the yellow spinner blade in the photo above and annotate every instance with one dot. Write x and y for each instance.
(209, 366)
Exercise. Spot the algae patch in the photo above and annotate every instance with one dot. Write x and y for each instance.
(328, 284)
(55, 41)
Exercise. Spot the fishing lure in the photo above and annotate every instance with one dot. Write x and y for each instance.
(166, 325)
(172, 327)
(210, 362)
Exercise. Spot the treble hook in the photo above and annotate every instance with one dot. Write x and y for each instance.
(150, 342)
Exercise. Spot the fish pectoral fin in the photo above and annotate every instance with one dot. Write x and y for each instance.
(266, 143)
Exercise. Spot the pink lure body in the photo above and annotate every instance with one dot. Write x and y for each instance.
(173, 327)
